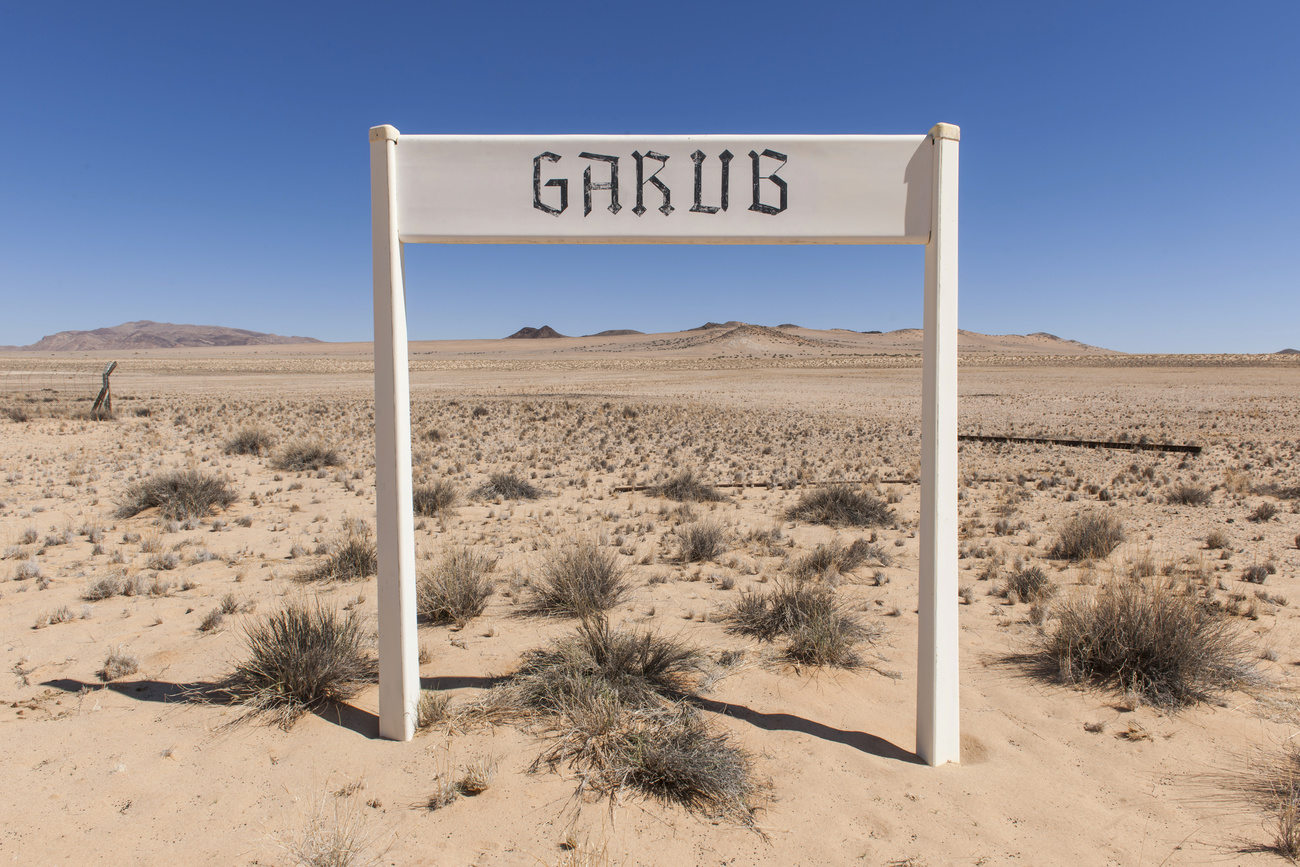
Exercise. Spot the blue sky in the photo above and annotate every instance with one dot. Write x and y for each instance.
(1128, 170)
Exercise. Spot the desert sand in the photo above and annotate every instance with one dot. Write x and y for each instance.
(129, 772)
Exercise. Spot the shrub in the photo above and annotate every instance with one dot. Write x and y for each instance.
(29, 568)
(178, 495)
(579, 579)
(1088, 536)
(1146, 638)
(637, 668)
(433, 499)
(701, 541)
(62, 614)
(299, 659)
(1029, 583)
(608, 700)
(433, 708)
(335, 835)
(105, 587)
(305, 454)
(1216, 539)
(117, 664)
(507, 486)
(839, 506)
(1187, 495)
(1255, 574)
(212, 621)
(670, 753)
(685, 487)
(1263, 513)
(823, 631)
(829, 637)
(832, 558)
(351, 557)
(455, 588)
(1273, 784)
(250, 441)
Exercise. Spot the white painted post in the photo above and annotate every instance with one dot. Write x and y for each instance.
(399, 672)
(938, 732)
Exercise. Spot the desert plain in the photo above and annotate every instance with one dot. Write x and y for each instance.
(129, 768)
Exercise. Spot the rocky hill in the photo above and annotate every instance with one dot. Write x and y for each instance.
(527, 333)
(145, 334)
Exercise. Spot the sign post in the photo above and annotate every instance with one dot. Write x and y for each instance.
(711, 189)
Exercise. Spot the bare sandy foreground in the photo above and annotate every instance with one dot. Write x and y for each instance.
(128, 772)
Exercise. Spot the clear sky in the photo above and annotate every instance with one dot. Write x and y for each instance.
(1128, 170)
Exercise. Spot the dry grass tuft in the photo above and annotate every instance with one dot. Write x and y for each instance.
(578, 579)
(1028, 584)
(352, 557)
(828, 561)
(638, 668)
(686, 487)
(607, 700)
(434, 499)
(118, 664)
(822, 630)
(701, 541)
(1188, 495)
(840, 506)
(178, 494)
(1263, 513)
(1149, 639)
(454, 588)
(507, 486)
(1088, 536)
(334, 833)
(250, 441)
(306, 454)
(433, 709)
(300, 658)
(1272, 783)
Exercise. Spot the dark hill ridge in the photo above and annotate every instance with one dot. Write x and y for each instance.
(527, 333)
(709, 326)
(1287, 352)
(615, 332)
(145, 334)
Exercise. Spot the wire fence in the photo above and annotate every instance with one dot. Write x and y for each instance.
(38, 387)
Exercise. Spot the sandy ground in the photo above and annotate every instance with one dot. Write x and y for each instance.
(130, 773)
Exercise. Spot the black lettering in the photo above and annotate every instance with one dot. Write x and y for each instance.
(699, 158)
(562, 183)
(612, 186)
(758, 205)
(640, 208)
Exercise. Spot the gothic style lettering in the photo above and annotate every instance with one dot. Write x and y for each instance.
(758, 205)
(666, 208)
(562, 183)
(699, 158)
(612, 185)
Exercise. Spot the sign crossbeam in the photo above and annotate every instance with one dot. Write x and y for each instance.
(707, 189)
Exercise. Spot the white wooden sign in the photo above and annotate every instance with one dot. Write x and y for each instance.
(708, 189)
(664, 189)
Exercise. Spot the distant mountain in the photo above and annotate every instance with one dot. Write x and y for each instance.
(145, 334)
(1287, 352)
(615, 332)
(527, 333)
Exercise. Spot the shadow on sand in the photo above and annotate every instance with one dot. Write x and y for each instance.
(366, 723)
